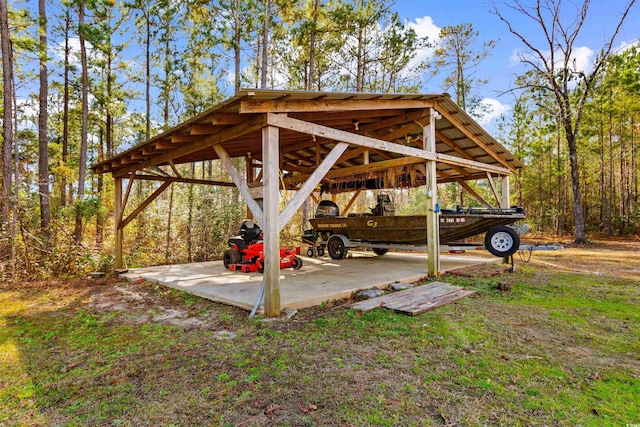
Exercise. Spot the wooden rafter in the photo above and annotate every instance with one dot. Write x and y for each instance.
(455, 121)
(271, 106)
(206, 142)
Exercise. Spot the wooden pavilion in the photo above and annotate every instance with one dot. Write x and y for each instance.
(318, 141)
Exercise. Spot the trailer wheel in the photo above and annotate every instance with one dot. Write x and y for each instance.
(310, 252)
(502, 241)
(230, 256)
(296, 263)
(320, 251)
(336, 248)
(380, 251)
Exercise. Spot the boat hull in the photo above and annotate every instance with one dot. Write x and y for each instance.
(412, 230)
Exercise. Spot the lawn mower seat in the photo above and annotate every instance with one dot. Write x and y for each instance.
(249, 233)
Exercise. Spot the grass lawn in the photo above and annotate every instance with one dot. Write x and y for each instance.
(562, 347)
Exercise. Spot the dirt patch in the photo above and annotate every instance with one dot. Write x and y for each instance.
(488, 269)
(142, 303)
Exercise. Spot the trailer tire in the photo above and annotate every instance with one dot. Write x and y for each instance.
(320, 251)
(336, 247)
(310, 253)
(502, 241)
(230, 256)
(380, 251)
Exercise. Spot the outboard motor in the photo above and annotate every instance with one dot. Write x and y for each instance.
(327, 209)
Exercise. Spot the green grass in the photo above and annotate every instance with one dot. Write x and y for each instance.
(558, 349)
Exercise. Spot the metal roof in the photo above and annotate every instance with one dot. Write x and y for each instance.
(236, 124)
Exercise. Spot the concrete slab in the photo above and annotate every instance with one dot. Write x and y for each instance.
(319, 280)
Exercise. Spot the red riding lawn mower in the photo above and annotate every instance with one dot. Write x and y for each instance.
(246, 251)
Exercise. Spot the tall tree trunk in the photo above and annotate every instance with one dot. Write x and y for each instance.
(147, 92)
(99, 216)
(265, 44)
(65, 109)
(84, 128)
(43, 140)
(312, 46)
(236, 46)
(578, 214)
(7, 130)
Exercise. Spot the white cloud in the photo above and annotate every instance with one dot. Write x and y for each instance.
(425, 27)
(494, 109)
(57, 51)
(581, 59)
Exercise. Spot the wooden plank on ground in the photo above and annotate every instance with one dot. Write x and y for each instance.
(424, 291)
(420, 305)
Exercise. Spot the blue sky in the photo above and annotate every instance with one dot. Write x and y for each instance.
(502, 66)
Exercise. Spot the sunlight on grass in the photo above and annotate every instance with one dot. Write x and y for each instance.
(16, 386)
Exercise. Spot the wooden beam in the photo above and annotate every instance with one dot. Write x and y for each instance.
(354, 152)
(392, 121)
(471, 191)
(493, 188)
(456, 122)
(343, 136)
(453, 145)
(203, 129)
(185, 180)
(117, 213)
(146, 202)
(182, 138)
(126, 196)
(321, 116)
(163, 145)
(206, 142)
(227, 119)
(240, 183)
(311, 183)
(328, 105)
(351, 202)
(458, 161)
(371, 167)
(270, 225)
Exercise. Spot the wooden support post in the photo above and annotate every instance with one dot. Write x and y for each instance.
(118, 209)
(433, 226)
(506, 192)
(271, 220)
